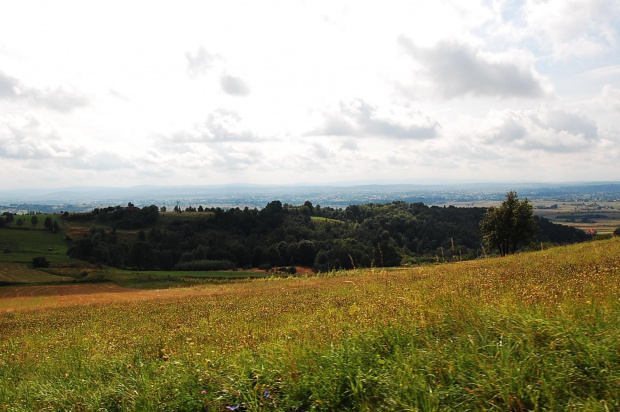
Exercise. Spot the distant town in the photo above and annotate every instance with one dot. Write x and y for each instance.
(544, 196)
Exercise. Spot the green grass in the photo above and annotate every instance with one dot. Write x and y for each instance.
(150, 279)
(197, 274)
(21, 245)
(535, 331)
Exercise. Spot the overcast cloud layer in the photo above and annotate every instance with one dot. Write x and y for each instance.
(287, 92)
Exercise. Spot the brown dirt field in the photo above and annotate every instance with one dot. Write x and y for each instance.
(17, 298)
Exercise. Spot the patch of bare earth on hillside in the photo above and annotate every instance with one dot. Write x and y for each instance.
(46, 296)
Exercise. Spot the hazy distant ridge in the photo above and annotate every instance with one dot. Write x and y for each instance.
(259, 195)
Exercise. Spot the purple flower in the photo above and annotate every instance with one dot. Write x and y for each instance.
(266, 394)
(233, 408)
(203, 392)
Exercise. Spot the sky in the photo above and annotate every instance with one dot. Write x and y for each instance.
(120, 93)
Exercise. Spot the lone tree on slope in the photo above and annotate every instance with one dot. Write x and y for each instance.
(48, 223)
(510, 225)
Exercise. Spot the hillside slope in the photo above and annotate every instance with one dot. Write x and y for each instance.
(529, 332)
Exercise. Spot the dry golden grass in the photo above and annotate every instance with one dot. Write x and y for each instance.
(531, 331)
(12, 272)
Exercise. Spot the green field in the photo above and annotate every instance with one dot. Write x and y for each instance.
(533, 331)
(603, 217)
(197, 274)
(21, 245)
(164, 279)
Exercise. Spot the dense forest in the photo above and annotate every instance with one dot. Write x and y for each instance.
(280, 235)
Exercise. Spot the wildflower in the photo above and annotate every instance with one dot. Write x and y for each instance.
(266, 394)
(203, 392)
(234, 408)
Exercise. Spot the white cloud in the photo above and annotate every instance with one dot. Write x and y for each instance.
(221, 125)
(609, 99)
(360, 119)
(554, 131)
(574, 28)
(457, 69)
(231, 160)
(104, 160)
(603, 72)
(8, 86)
(119, 96)
(31, 139)
(60, 99)
(28, 138)
(200, 62)
(235, 86)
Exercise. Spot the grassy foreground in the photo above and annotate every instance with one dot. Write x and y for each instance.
(537, 331)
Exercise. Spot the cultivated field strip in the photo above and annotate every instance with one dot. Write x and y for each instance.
(14, 298)
(12, 272)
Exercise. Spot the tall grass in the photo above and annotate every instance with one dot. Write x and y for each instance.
(536, 331)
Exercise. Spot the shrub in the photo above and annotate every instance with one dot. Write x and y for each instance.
(40, 262)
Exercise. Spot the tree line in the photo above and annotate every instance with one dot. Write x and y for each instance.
(8, 218)
(280, 235)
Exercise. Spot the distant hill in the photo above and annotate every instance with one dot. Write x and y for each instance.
(336, 195)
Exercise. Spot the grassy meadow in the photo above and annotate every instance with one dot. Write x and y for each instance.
(21, 245)
(535, 331)
(153, 279)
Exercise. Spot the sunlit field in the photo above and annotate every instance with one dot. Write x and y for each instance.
(534, 331)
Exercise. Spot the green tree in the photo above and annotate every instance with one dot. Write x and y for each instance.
(321, 262)
(34, 220)
(386, 255)
(48, 223)
(8, 217)
(19, 221)
(510, 225)
(40, 262)
(306, 253)
(142, 255)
